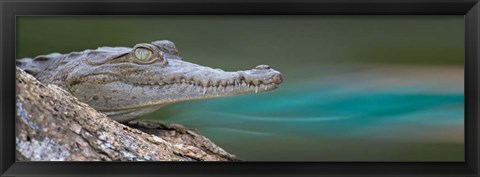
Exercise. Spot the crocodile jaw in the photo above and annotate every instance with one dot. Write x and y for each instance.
(141, 93)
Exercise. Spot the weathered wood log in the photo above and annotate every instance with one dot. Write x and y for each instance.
(51, 124)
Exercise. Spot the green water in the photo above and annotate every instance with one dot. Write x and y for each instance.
(335, 103)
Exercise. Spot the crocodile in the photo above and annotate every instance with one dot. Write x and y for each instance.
(125, 83)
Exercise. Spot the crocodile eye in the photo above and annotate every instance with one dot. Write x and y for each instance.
(143, 54)
(147, 54)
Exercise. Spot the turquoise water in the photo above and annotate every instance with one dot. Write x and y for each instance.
(346, 118)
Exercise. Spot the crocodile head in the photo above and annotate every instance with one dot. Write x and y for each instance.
(125, 83)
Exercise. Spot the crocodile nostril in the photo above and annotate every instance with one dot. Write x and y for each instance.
(262, 67)
(277, 79)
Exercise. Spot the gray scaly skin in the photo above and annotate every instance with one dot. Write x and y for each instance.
(126, 83)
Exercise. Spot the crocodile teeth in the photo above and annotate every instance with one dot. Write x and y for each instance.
(223, 83)
(205, 83)
(204, 90)
(256, 89)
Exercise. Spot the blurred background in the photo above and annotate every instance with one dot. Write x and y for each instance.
(356, 88)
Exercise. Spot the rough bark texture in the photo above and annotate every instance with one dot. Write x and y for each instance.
(51, 124)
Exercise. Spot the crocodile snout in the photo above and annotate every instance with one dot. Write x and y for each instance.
(262, 67)
(277, 78)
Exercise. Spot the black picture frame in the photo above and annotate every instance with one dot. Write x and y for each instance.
(10, 9)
